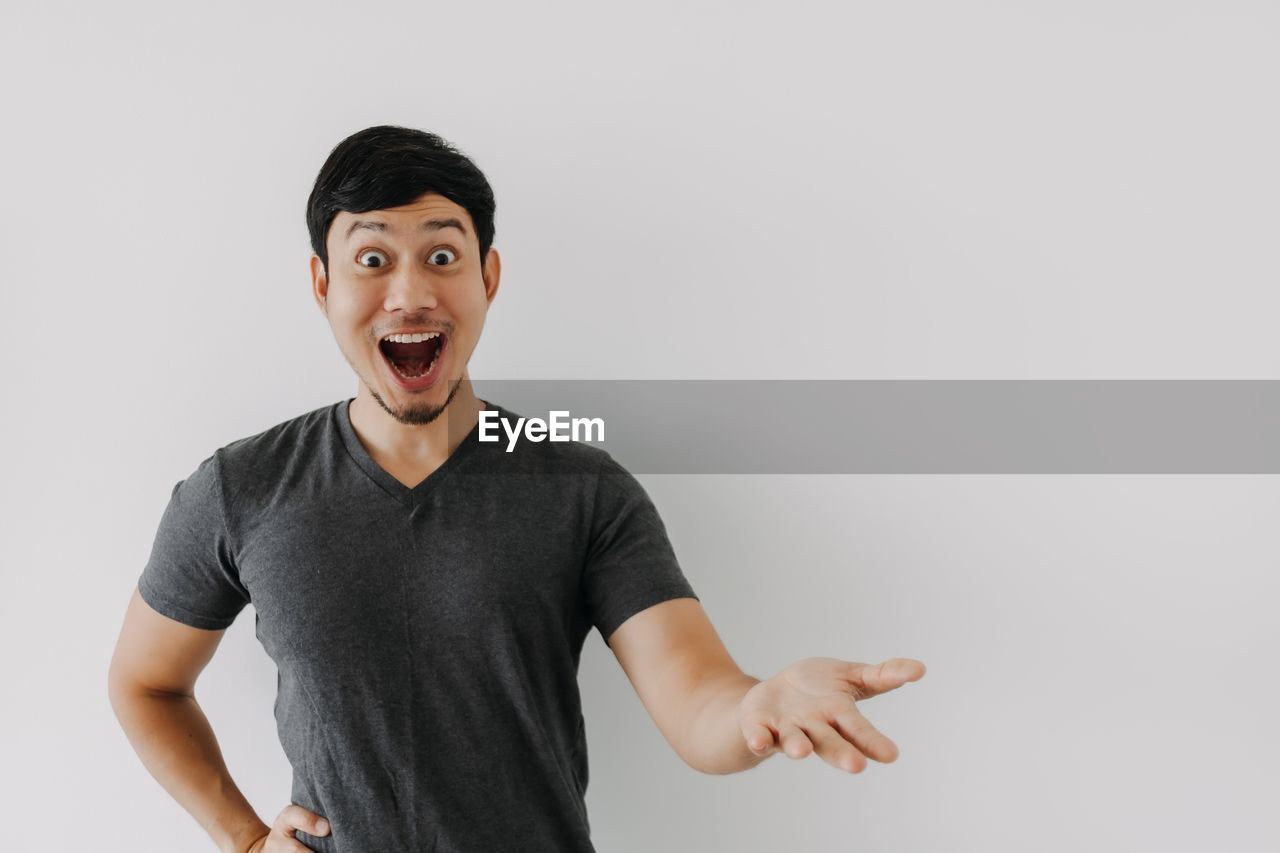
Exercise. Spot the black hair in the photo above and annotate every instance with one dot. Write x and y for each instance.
(388, 166)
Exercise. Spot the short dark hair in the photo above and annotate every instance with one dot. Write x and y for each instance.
(388, 166)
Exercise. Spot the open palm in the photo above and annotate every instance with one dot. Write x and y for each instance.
(810, 707)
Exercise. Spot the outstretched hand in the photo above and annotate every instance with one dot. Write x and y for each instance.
(809, 707)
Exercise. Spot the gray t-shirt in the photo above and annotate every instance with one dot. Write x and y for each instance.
(427, 639)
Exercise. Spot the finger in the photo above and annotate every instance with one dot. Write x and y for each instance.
(278, 842)
(873, 679)
(759, 738)
(793, 741)
(294, 816)
(284, 840)
(858, 730)
(834, 749)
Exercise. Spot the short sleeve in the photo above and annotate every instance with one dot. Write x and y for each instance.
(630, 563)
(191, 575)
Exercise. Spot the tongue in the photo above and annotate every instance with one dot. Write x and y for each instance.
(412, 358)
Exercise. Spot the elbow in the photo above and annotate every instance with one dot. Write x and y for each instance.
(119, 690)
(123, 690)
(121, 682)
(113, 683)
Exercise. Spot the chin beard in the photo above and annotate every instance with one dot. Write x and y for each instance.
(417, 415)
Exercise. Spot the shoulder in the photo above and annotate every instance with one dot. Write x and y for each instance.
(265, 459)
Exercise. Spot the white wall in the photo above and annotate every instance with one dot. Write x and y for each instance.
(927, 190)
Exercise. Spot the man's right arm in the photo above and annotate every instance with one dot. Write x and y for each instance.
(151, 684)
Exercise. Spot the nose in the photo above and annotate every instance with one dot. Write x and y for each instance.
(411, 289)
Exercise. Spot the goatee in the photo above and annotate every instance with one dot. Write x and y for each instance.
(417, 415)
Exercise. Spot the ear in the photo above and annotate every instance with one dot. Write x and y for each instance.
(319, 283)
(492, 272)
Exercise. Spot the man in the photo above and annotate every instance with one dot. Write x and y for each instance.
(425, 595)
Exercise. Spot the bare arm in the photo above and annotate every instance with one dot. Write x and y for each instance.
(688, 683)
(151, 685)
(721, 720)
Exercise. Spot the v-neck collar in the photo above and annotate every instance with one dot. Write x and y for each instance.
(382, 477)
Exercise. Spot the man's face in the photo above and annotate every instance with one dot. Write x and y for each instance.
(406, 270)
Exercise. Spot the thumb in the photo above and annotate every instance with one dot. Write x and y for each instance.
(295, 816)
(875, 679)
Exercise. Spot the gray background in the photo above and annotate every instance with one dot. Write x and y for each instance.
(692, 190)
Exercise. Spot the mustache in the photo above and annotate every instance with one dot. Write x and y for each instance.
(418, 326)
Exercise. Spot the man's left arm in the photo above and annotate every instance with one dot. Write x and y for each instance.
(720, 720)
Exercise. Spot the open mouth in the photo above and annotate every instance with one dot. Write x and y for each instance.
(412, 356)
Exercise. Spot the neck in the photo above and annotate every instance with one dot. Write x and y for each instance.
(415, 444)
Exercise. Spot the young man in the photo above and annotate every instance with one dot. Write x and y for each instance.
(425, 595)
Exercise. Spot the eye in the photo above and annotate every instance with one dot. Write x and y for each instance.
(446, 251)
(380, 259)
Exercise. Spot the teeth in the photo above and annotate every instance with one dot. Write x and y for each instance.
(419, 376)
(412, 339)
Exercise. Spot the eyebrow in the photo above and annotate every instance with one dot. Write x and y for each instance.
(429, 225)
